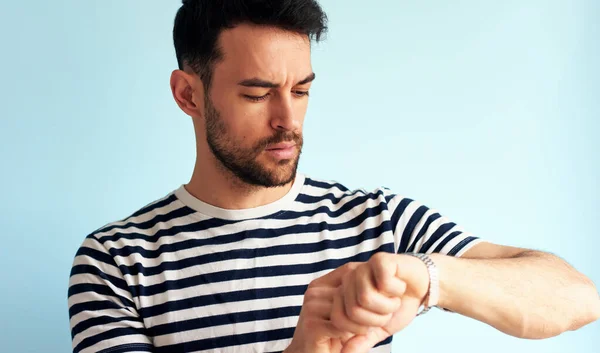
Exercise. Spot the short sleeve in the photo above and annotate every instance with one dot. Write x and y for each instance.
(420, 229)
(103, 316)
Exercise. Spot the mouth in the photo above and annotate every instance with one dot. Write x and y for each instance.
(284, 150)
(281, 146)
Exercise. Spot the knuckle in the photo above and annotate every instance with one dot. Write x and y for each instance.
(385, 319)
(379, 262)
(351, 266)
(311, 294)
(385, 284)
(364, 298)
(379, 258)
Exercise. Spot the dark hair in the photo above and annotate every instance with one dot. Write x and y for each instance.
(199, 23)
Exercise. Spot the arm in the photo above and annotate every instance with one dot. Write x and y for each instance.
(523, 293)
(102, 313)
(526, 294)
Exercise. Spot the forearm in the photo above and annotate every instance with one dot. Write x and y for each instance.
(532, 295)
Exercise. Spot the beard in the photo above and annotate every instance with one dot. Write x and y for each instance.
(243, 162)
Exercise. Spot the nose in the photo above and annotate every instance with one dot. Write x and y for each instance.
(283, 116)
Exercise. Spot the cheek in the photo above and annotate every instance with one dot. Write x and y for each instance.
(246, 123)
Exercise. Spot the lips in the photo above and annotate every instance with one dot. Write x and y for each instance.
(281, 146)
(282, 151)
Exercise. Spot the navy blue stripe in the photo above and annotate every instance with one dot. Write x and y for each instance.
(95, 254)
(443, 229)
(384, 342)
(460, 246)
(398, 212)
(221, 298)
(228, 341)
(129, 347)
(98, 289)
(108, 334)
(98, 321)
(224, 319)
(246, 234)
(95, 271)
(423, 231)
(94, 305)
(178, 213)
(191, 227)
(304, 248)
(267, 271)
(410, 227)
(146, 209)
(171, 198)
(347, 207)
(312, 199)
(446, 240)
(324, 185)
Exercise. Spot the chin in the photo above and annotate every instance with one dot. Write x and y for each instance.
(282, 172)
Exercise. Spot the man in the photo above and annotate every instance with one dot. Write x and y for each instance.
(251, 256)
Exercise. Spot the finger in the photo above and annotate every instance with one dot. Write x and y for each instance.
(341, 321)
(385, 272)
(404, 316)
(320, 309)
(392, 287)
(369, 297)
(353, 309)
(334, 278)
(320, 293)
(364, 343)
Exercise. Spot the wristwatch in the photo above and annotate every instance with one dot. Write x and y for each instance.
(433, 293)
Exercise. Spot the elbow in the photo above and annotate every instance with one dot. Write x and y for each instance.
(590, 310)
(540, 330)
(583, 309)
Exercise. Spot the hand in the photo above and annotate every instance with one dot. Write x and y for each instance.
(315, 333)
(379, 298)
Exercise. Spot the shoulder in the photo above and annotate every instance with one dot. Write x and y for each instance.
(143, 223)
(321, 189)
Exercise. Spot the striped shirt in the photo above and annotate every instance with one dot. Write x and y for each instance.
(180, 275)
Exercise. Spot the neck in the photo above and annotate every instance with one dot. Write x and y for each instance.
(212, 183)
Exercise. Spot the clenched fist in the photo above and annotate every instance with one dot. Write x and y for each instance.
(358, 305)
(383, 294)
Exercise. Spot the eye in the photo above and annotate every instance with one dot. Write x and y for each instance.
(301, 93)
(256, 98)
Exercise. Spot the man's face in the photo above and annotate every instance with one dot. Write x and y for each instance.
(257, 102)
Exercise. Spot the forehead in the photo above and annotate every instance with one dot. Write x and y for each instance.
(265, 52)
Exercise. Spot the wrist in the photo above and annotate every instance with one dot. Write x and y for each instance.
(442, 263)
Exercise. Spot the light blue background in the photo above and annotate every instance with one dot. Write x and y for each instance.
(486, 110)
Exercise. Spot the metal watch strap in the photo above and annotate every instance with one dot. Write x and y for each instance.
(433, 293)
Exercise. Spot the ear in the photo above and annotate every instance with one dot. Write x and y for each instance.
(187, 93)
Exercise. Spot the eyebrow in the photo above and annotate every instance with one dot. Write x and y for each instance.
(257, 82)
